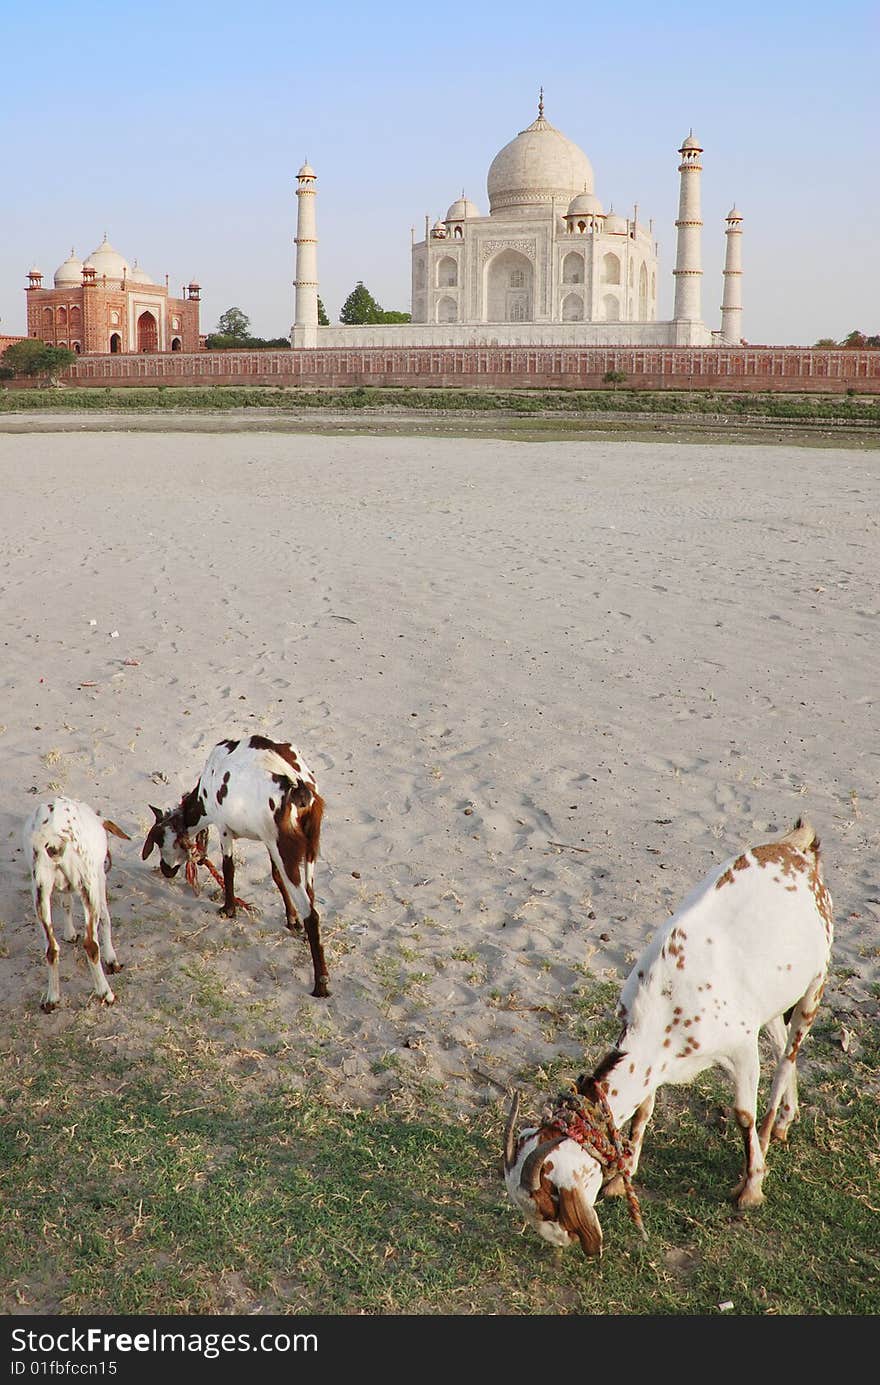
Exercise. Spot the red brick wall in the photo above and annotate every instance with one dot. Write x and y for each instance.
(720, 368)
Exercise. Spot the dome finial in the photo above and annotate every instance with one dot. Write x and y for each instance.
(541, 104)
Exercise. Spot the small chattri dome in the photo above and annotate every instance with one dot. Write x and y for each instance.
(615, 225)
(139, 276)
(691, 143)
(108, 263)
(70, 272)
(734, 215)
(586, 203)
(307, 171)
(461, 209)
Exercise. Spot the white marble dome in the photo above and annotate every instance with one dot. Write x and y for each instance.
(139, 276)
(615, 225)
(537, 166)
(108, 263)
(586, 203)
(461, 209)
(69, 273)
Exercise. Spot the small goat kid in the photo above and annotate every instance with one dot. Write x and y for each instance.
(263, 791)
(749, 945)
(67, 845)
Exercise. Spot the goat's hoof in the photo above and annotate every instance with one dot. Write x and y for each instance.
(747, 1200)
(113, 967)
(746, 1197)
(226, 913)
(74, 938)
(108, 999)
(321, 990)
(780, 1134)
(47, 1006)
(294, 926)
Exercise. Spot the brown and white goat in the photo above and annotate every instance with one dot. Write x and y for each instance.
(263, 791)
(749, 945)
(67, 845)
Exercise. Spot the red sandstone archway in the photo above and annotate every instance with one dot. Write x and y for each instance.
(115, 343)
(147, 333)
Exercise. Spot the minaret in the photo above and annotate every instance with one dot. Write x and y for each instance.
(305, 327)
(731, 306)
(688, 260)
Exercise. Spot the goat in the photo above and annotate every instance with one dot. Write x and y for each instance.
(749, 945)
(263, 791)
(67, 845)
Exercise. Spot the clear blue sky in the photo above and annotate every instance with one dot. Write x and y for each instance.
(178, 128)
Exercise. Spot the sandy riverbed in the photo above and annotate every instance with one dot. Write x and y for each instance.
(544, 687)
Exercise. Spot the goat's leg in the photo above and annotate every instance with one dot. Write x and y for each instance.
(227, 909)
(746, 1072)
(290, 871)
(105, 936)
(92, 906)
(309, 867)
(290, 914)
(68, 931)
(778, 1116)
(615, 1187)
(777, 1033)
(43, 911)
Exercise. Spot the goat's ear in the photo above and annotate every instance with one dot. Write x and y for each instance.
(157, 813)
(579, 1216)
(117, 831)
(149, 843)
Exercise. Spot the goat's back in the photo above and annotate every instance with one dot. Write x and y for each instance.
(743, 947)
(66, 842)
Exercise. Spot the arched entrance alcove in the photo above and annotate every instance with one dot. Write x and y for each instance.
(447, 273)
(147, 333)
(509, 288)
(115, 343)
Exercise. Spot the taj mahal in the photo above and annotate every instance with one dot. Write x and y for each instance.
(547, 266)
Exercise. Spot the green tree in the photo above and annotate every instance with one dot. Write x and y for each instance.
(323, 319)
(392, 315)
(825, 344)
(234, 323)
(32, 357)
(360, 307)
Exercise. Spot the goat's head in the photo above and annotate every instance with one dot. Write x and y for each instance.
(168, 834)
(554, 1182)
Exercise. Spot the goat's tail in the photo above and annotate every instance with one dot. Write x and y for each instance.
(803, 838)
(307, 808)
(310, 822)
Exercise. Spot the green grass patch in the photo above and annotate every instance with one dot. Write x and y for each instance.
(729, 407)
(161, 1187)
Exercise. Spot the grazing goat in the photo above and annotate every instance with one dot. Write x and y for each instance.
(749, 945)
(67, 845)
(264, 791)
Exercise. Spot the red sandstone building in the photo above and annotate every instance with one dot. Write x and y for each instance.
(105, 306)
